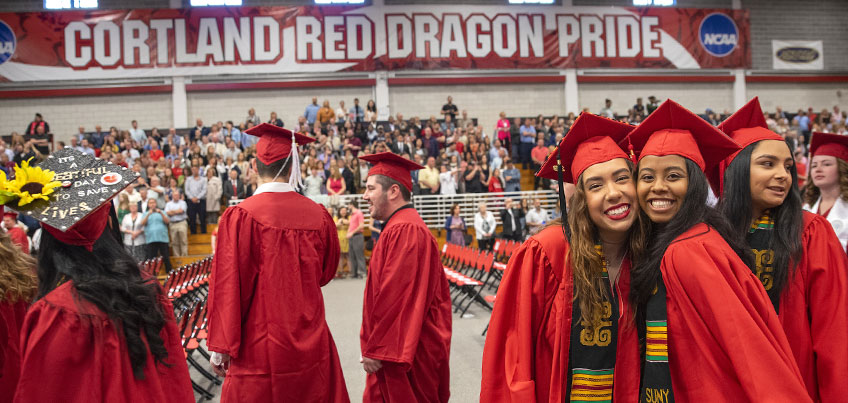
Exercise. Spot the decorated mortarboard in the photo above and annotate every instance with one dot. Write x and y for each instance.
(674, 130)
(275, 143)
(69, 193)
(746, 126)
(393, 166)
(591, 140)
(834, 145)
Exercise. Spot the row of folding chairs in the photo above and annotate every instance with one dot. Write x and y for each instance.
(151, 267)
(503, 249)
(469, 272)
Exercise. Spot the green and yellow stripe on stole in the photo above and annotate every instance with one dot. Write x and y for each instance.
(656, 343)
(764, 222)
(591, 385)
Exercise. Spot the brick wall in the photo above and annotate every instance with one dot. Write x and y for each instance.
(793, 96)
(694, 96)
(65, 115)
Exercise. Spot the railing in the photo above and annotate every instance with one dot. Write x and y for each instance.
(434, 209)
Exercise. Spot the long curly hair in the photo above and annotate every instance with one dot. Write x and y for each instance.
(590, 287)
(109, 278)
(17, 272)
(812, 192)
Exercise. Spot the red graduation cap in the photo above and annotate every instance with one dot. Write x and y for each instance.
(86, 232)
(747, 126)
(393, 166)
(834, 145)
(10, 214)
(275, 143)
(591, 140)
(674, 130)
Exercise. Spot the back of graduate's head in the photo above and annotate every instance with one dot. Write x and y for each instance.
(108, 277)
(267, 172)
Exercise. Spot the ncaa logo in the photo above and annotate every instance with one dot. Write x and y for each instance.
(718, 34)
(7, 42)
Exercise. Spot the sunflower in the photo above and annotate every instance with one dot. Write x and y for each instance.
(31, 183)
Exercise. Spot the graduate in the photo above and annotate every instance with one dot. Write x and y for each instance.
(18, 235)
(826, 193)
(707, 327)
(406, 316)
(798, 257)
(99, 331)
(274, 252)
(562, 327)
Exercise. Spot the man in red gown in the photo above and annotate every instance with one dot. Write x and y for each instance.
(406, 318)
(274, 252)
(19, 237)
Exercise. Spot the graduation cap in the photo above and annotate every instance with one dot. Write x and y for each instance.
(393, 166)
(77, 211)
(746, 126)
(674, 130)
(834, 145)
(275, 143)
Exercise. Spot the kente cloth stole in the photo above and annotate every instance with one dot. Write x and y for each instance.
(759, 238)
(592, 350)
(656, 374)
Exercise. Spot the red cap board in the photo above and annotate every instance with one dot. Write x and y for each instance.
(746, 126)
(834, 145)
(393, 166)
(10, 214)
(275, 143)
(673, 130)
(591, 140)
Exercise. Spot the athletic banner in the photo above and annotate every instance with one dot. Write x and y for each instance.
(797, 55)
(110, 44)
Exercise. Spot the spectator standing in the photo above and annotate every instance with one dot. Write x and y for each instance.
(539, 155)
(214, 192)
(537, 217)
(195, 191)
(449, 109)
(35, 124)
(274, 120)
(475, 177)
(428, 178)
(155, 224)
(137, 134)
(341, 113)
(639, 109)
(653, 104)
(40, 140)
(376, 227)
(335, 185)
(133, 230)
(502, 130)
(370, 111)
(311, 112)
(484, 227)
(326, 114)
(606, 111)
(357, 114)
(123, 205)
(495, 182)
(512, 177)
(510, 221)
(455, 226)
(356, 241)
(342, 224)
(178, 228)
(313, 183)
(528, 139)
(252, 117)
(447, 180)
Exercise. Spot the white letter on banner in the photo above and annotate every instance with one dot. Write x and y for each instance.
(426, 28)
(133, 41)
(478, 33)
(180, 38)
(71, 44)
(237, 37)
(609, 35)
(453, 39)
(209, 41)
(649, 35)
(531, 35)
(308, 31)
(499, 24)
(260, 53)
(590, 34)
(359, 46)
(332, 37)
(101, 29)
(629, 44)
(568, 31)
(161, 27)
(395, 38)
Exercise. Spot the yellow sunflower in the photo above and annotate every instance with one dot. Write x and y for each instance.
(31, 183)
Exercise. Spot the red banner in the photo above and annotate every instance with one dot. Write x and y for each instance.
(218, 40)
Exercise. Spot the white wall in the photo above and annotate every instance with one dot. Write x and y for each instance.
(212, 106)
(794, 96)
(482, 101)
(66, 114)
(696, 97)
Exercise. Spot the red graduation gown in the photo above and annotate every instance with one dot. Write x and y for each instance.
(406, 318)
(525, 358)
(19, 237)
(724, 338)
(274, 253)
(72, 352)
(814, 312)
(12, 315)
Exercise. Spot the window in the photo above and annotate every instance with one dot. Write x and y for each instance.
(203, 3)
(659, 3)
(69, 4)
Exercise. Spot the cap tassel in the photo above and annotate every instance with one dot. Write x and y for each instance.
(630, 150)
(562, 206)
(295, 179)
